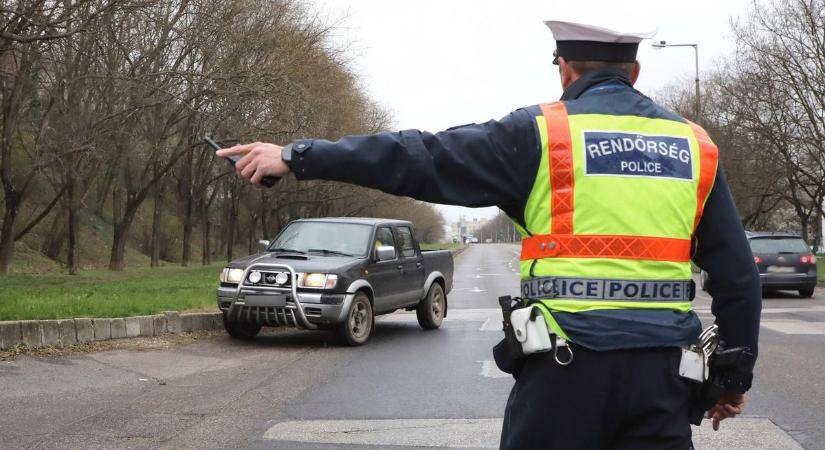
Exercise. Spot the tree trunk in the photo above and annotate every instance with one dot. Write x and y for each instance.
(7, 232)
(264, 217)
(251, 236)
(229, 230)
(53, 243)
(185, 189)
(817, 244)
(156, 226)
(72, 252)
(121, 232)
(186, 253)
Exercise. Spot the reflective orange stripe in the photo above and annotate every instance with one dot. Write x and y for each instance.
(708, 160)
(560, 150)
(605, 246)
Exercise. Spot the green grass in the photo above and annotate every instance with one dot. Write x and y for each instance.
(820, 267)
(439, 246)
(133, 292)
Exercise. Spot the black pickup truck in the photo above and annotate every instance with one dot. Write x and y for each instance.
(335, 273)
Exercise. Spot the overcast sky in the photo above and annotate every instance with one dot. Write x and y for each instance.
(440, 63)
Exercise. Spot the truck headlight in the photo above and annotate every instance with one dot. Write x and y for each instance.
(318, 280)
(231, 275)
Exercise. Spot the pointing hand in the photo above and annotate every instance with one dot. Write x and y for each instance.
(257, 161)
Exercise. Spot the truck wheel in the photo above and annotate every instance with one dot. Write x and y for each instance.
(241, 330)
(357, 328)
(430, 311)
(806, 293)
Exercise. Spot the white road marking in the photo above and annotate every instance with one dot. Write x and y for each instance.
(485, 316)
(776, 310)
(489, 369)
(445, 433)
(795, 326)
(477, 290)
(741, 432)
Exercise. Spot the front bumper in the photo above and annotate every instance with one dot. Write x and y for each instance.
(319, 309)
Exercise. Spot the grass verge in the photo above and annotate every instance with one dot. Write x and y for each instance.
(820, 267)
(439, 246)
(108, 294)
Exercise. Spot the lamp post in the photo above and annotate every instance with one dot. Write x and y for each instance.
(663, 44)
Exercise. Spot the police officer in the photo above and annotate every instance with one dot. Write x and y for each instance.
(614, 195)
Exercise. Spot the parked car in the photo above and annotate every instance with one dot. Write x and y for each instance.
(784, 260)
(335, 273)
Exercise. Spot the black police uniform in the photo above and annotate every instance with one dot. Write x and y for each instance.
(495, 164)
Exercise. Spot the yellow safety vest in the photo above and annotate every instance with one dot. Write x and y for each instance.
(610, 218)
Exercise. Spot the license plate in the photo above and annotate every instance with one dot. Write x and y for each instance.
(265, 300)
(781, 269)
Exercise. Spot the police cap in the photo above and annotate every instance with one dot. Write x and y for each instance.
(584, 42)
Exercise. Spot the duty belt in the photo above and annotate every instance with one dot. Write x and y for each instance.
(608, 289)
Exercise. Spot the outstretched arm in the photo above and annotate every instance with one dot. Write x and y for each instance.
(490, 164)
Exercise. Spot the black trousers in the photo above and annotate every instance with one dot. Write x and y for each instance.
(625, 399)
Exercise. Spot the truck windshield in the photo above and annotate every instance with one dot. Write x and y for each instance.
(327, 238)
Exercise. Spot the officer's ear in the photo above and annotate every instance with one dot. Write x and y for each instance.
(566, 73)
(634, 74)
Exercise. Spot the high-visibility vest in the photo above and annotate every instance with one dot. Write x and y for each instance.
(612, 212)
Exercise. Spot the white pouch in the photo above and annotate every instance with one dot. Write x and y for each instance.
(693, 366)
(531, 330)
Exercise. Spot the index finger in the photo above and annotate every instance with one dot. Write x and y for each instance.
(236, 150)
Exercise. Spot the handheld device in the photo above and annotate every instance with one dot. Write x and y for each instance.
(267, 181)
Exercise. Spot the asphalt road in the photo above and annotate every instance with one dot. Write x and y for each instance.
(407, 388)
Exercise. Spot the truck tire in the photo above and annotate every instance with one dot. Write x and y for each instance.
(241, 330)
(359, 324)
(430, 311)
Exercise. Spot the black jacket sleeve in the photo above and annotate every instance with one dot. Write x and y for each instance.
(490, 164)
(733, 280)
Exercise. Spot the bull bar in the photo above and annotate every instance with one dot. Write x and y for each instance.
(291, 314)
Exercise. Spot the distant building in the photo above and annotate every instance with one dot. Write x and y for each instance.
(466, 227)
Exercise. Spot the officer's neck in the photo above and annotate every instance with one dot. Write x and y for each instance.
(578, 85)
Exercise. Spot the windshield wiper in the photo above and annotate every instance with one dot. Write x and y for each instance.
(328, 252)
(289, 250)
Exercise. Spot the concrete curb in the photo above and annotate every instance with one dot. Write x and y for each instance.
(67, 332)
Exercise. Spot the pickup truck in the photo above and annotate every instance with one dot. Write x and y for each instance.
(335, 273)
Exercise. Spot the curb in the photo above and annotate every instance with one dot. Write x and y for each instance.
(458, 250)
(67, 332)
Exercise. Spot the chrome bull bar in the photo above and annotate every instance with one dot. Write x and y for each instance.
(288, 315)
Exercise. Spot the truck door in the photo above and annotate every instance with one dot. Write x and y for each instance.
(412, 264)
(385, 276)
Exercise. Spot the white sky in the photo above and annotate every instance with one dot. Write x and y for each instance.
(441, 63)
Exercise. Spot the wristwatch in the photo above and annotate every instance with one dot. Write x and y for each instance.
(286, 154)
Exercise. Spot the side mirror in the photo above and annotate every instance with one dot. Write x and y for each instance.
(262, 246)
(385, 253)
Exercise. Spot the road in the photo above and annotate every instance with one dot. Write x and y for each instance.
(407, 388)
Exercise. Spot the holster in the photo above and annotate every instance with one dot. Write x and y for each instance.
(508, 353)
(705, 395)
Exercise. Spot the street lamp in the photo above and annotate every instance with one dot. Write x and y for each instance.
(663, 44)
